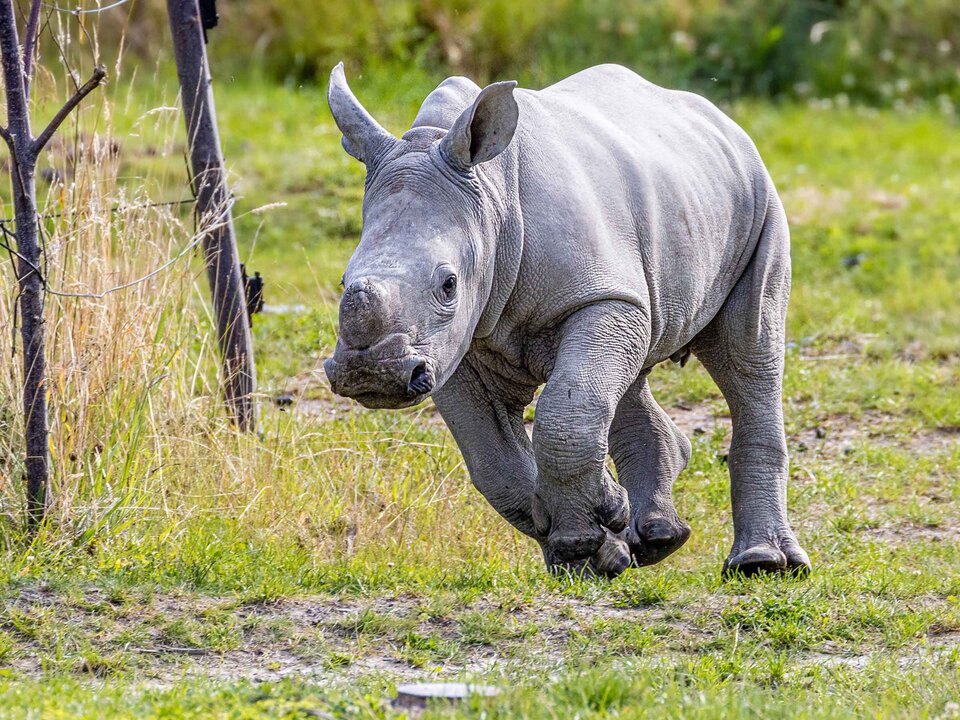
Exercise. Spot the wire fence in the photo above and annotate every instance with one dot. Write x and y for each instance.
(8, 234)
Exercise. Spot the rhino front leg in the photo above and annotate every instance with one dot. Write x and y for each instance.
(649, 452)
(487, 424)
(578, 504)
(743, 349)
(495, 448)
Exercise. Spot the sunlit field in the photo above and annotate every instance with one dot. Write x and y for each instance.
(306, 570)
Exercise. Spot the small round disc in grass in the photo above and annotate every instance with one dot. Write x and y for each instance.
(418, 694)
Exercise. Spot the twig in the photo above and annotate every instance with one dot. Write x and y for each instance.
(29, 45)
(5, 134)
(33, 267)
(167, 650)
(99, 73)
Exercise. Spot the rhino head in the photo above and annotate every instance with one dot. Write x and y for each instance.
(421, 278)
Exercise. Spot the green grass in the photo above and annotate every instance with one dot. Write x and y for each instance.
(306, 572)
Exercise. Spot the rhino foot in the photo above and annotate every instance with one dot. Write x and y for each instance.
(576, 535)
(782, 555)
(654, 537)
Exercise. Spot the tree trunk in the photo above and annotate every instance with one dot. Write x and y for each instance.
(23, 171)
(213, 207)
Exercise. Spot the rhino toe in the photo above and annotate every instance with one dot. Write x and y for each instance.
(768, 559)
(572, 556)
(612, 558)
(657, 537)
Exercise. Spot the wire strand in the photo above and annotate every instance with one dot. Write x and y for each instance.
(115, 209)
(81, 11)
(117, 288)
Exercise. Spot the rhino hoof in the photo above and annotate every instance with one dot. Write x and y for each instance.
(656, 538)
(612, 558)
(767, 559)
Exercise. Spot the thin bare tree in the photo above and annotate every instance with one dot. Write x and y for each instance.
(18, 65)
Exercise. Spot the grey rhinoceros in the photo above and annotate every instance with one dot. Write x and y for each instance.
(574, 237)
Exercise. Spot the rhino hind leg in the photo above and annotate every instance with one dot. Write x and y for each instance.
(649, 452)
(742, 349)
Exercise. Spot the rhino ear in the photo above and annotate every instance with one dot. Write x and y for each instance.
(484, 129)
(363, 137)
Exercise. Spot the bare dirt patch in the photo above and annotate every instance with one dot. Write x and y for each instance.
(929, 649)
(906, 532)
(831, 436)
(814, 205)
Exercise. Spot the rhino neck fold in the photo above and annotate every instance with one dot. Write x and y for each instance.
(500, 179)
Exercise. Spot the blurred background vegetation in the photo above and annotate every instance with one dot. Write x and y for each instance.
(879, 52)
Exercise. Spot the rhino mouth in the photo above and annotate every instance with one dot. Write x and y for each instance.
(376, 401)
(395, 383)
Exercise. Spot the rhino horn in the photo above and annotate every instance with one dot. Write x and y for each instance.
(363, 137)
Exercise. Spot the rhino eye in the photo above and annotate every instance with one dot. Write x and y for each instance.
(449, 286)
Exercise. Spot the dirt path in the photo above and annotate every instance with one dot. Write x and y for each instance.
(163, 639)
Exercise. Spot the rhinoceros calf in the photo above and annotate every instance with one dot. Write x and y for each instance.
(575, 237)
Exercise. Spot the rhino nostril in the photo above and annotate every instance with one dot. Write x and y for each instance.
(420, 381)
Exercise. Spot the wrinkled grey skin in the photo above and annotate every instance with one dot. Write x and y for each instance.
(592, 230)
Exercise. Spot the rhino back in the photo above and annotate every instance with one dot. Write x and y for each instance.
(630, 191)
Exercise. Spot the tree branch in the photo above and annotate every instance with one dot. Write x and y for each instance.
(29, 45)
(5, 135)
(99, 73)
